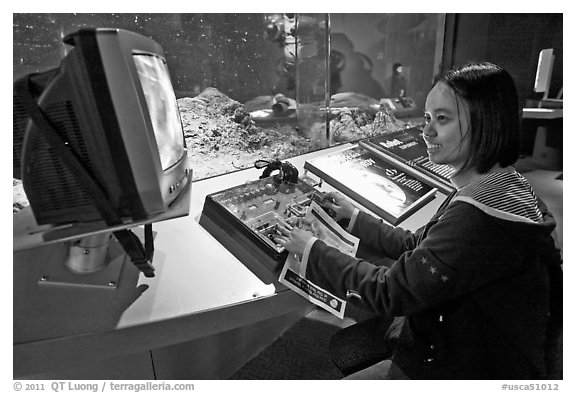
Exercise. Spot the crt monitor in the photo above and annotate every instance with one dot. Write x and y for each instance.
(99, 138)
(111, 103)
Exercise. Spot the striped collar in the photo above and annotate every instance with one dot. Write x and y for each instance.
(504, 194)
(461, 180)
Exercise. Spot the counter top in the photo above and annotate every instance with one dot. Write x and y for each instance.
(200, 289)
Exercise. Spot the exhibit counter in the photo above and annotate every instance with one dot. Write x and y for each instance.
(203, 316)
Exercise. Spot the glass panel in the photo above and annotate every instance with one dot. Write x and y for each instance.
(233, 74)
(262, 86)
(382, 67)
(312, 84)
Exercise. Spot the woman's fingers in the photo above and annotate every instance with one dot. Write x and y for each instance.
(284, 229)
(335, 195)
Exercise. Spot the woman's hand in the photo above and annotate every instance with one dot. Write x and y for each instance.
(293, 239)
(339, 204)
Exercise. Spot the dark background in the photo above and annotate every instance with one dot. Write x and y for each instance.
(513, 41)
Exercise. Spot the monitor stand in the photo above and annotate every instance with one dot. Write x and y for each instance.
(91, 261)
(82, 254)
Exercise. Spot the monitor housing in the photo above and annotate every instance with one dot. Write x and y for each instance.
(111, 105)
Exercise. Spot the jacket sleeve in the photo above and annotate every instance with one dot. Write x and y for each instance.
(455, 257)
(382, 237)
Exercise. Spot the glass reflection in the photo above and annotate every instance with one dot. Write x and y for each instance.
(269, 86)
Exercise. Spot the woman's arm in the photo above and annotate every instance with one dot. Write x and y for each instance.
(372, 232)
(382, 237)
(461, 252)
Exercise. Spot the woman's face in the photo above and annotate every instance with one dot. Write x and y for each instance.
(446, 131)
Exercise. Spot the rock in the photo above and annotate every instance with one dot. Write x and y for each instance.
(213, 114)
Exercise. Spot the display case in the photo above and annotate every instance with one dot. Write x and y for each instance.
(268, 86)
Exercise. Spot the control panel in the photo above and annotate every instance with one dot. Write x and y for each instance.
(257, 208)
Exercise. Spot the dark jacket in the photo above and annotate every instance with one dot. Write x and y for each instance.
(474, 287)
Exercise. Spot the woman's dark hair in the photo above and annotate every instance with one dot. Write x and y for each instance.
(491, 96)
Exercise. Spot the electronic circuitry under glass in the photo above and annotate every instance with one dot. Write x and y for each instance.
(261, 206)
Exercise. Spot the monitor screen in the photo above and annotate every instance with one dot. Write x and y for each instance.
(163, 108)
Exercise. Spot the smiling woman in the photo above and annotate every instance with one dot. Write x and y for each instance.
(490, 113)
(446, 127)
(470, 294)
